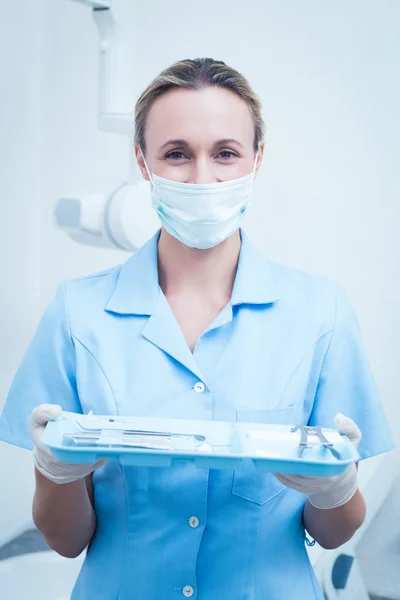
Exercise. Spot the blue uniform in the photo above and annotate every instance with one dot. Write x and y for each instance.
(286, 349)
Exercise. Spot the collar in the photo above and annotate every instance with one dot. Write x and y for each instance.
(254, 282)
(137, 289)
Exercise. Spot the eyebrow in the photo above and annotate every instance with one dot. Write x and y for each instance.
(186, 144)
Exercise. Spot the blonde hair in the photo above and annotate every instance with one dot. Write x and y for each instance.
(197, 74)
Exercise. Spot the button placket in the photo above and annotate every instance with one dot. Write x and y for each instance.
(196, 523)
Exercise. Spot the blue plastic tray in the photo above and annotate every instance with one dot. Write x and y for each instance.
(273, 448)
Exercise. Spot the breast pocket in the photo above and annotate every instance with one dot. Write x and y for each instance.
(250, 483)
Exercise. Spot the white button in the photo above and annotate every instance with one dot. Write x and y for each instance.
(199, 387)
(188, 591)
(194, 522)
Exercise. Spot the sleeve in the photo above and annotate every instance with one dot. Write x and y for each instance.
(46, 374)
(346, 384)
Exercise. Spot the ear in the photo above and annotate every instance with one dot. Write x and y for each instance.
(140, 162)
(259, 157)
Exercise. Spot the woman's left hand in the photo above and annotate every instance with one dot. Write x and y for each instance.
(329, 492)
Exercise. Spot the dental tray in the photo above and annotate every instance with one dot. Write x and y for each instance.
(149, 441)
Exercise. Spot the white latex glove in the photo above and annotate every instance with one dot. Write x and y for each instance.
(329, 492)
(56, 471)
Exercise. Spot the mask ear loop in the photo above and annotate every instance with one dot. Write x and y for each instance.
(145, 164)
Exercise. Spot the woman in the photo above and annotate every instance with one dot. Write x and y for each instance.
(197, 324)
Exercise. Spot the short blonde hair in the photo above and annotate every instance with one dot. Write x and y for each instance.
(197, 74)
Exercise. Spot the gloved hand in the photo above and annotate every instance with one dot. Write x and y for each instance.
(56, 471)
(329, 492)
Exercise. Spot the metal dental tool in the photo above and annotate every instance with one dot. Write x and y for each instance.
(315, 432)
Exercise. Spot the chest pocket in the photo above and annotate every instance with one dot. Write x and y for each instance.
(250, 483)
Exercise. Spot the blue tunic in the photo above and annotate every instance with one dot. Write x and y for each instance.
(286, 349)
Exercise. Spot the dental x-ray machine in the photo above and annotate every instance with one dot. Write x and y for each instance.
(110, 219)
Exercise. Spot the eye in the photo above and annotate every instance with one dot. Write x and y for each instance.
(226, 154)
(175, 155)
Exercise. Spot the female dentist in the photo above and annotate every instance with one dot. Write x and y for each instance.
(199, 325)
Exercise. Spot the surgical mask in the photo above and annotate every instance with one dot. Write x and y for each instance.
(201, 215)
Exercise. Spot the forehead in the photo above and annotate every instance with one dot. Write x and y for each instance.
(203, 115)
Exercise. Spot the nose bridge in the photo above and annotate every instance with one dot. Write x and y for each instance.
(202, 170)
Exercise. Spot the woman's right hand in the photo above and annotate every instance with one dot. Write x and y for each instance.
(52, 469)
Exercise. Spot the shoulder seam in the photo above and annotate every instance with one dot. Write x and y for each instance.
(321, 337)
(67, 311)
(332, 331)
(100, 367)
(336, 307)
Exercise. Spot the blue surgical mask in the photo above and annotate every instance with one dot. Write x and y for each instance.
(201, 215)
